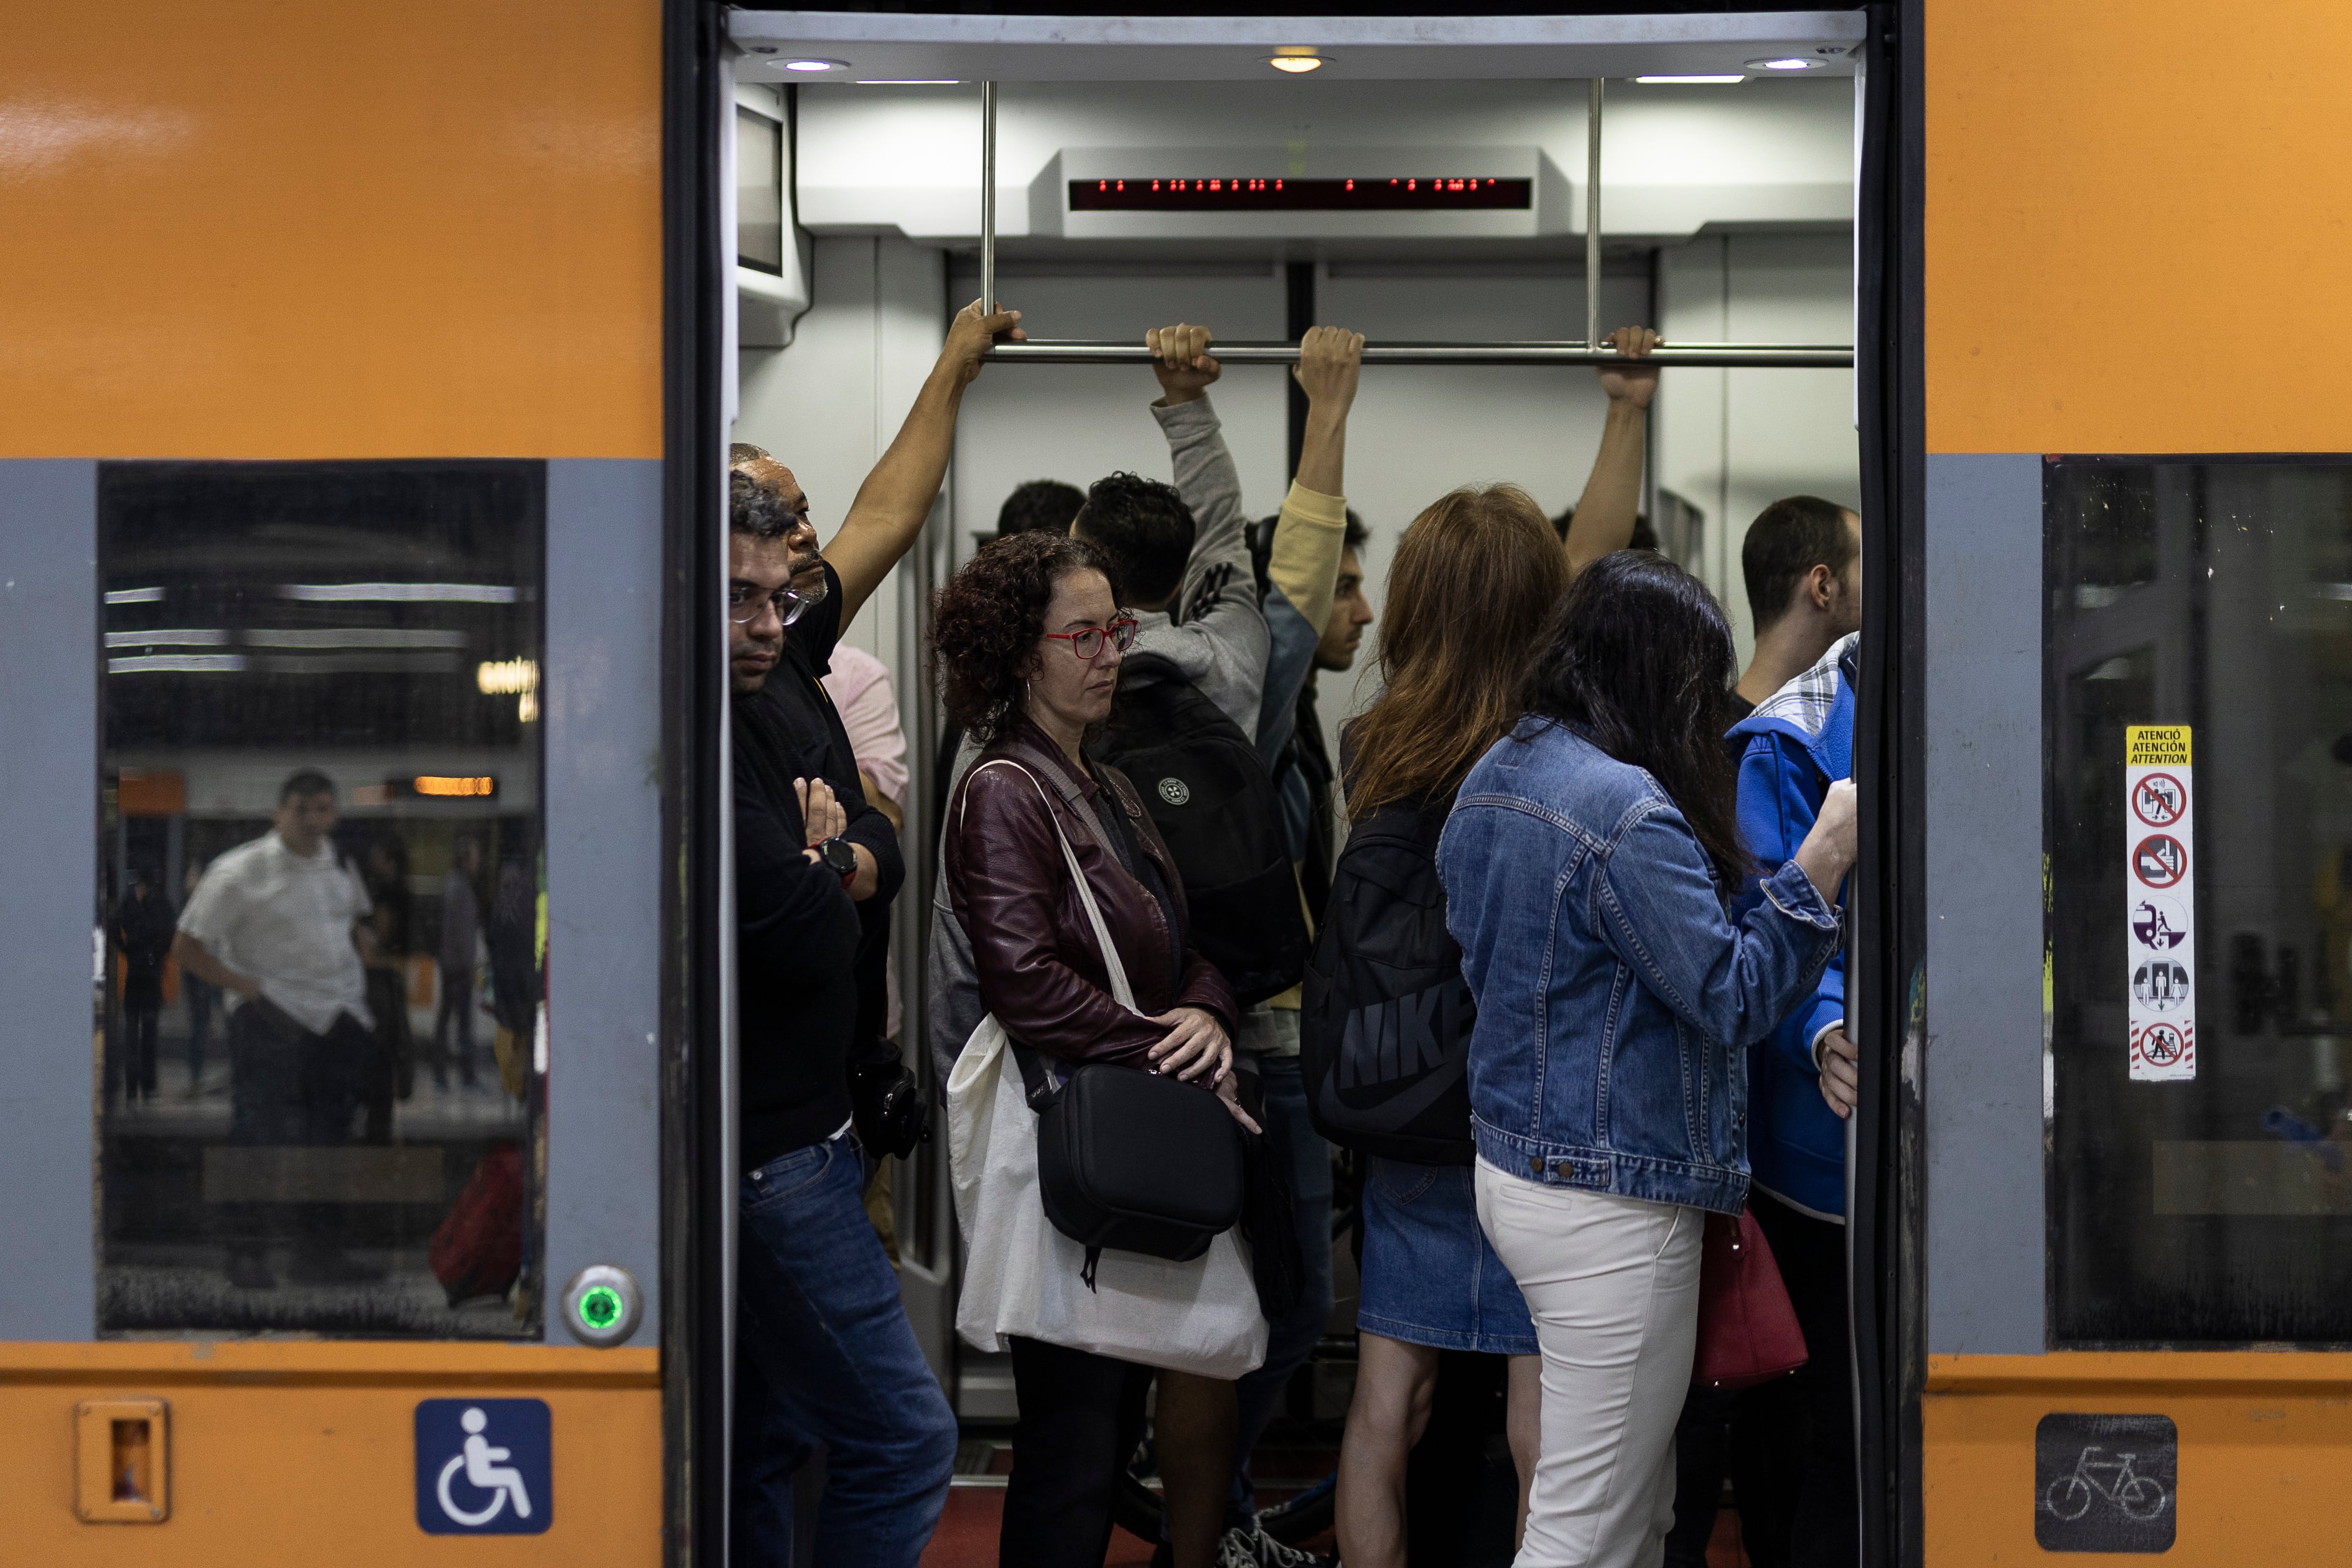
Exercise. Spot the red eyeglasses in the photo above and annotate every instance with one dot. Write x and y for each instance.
(1088, 644)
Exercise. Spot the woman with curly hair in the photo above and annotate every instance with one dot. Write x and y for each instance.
(1027, 640)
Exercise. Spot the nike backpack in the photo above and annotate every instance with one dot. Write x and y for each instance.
(1384, 1034)
(1212, 800)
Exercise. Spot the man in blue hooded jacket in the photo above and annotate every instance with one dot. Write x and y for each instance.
(1802, 1084)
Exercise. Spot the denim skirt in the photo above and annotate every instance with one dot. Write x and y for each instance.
(1430, 1277)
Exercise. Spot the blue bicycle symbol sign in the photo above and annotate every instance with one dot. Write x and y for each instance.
(2070, 1497)
(482, 1466)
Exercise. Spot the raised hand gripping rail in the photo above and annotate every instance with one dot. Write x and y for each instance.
(1592, 350)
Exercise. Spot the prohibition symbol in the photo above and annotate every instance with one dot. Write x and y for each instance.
(2160, 861)
(2159, 800)
(2161, 1044)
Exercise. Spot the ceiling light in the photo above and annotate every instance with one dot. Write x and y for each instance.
(909, 81)
(1296, 64)
(1687, 79)
(813, 66)
(1784, 63)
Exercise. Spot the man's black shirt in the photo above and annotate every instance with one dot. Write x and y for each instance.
(800, 938)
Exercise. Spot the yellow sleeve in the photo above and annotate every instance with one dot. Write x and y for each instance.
(1307, 541)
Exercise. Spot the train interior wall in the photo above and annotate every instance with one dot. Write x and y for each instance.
(887, 192)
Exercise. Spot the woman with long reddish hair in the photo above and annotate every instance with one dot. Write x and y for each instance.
(1473, 583)
(1474, 579)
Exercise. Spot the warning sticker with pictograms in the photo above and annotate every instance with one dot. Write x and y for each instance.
(2161, 902)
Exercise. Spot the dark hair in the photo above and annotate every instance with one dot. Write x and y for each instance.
(1645, 537)
(304, 783)
(1639, 658)
(1044, 505)
(1472, 579)
(1144, 526)
(1788, 540)
(986, 622)
(756, 505)
(1261, 544)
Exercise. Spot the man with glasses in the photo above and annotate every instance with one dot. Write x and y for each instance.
(825, 1352)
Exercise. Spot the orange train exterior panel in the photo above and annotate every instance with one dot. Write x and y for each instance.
(301, 1451)
(2137, 226)
(246, 229)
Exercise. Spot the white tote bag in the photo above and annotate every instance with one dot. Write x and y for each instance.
(1021, 1275)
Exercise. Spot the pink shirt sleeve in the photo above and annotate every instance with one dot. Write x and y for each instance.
(860, 684)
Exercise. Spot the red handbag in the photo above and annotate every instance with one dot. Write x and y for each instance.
(1748, 1331)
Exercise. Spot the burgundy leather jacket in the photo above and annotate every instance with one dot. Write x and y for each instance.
(1040, 970)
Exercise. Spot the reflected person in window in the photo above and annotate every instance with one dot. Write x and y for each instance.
(142, 934)
(280, 925)
(461, 931)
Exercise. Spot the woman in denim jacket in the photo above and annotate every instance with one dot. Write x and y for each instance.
(1588, 865)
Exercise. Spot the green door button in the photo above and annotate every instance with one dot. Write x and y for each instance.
(602, 1306)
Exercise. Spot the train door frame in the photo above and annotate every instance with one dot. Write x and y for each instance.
(1887, 937)
(1886, 929)
(698, 926)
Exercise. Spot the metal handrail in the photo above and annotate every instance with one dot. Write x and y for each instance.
(1071, 351)
(1053, 351)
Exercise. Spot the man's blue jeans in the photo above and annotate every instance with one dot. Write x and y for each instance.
(825, 1355)
(1305, 1160)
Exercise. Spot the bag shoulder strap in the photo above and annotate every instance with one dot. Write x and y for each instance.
(1034, 1075)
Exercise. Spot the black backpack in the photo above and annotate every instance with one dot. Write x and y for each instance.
(1384, 1035)
(1212, 800)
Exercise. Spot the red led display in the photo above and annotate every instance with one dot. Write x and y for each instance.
(1221, 194)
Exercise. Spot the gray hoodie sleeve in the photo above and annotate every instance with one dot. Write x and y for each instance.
(1216, 609)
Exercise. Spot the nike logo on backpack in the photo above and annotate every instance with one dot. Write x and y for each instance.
(1421, 1040)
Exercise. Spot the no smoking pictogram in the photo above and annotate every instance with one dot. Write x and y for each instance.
(2160, 861)
(2159, 800)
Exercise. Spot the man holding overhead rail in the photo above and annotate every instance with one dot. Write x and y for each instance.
(1307, 542)
(825, 1352)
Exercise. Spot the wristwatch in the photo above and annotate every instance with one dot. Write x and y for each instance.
(840, 858)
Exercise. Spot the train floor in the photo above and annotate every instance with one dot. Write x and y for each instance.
(967, 1534)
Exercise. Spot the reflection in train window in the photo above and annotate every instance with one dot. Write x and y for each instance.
(321, 903)
(2216, 1208)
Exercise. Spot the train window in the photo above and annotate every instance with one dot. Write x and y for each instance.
(2198, 731)
(322, 928)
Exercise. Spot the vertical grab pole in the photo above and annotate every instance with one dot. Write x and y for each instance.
(988, 198)
(1593, 218)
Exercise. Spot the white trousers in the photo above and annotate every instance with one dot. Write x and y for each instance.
(1613, 1284)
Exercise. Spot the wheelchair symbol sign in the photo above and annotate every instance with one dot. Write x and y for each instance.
(483, 1467)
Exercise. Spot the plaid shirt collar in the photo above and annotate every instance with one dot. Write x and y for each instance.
(1805, 702)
